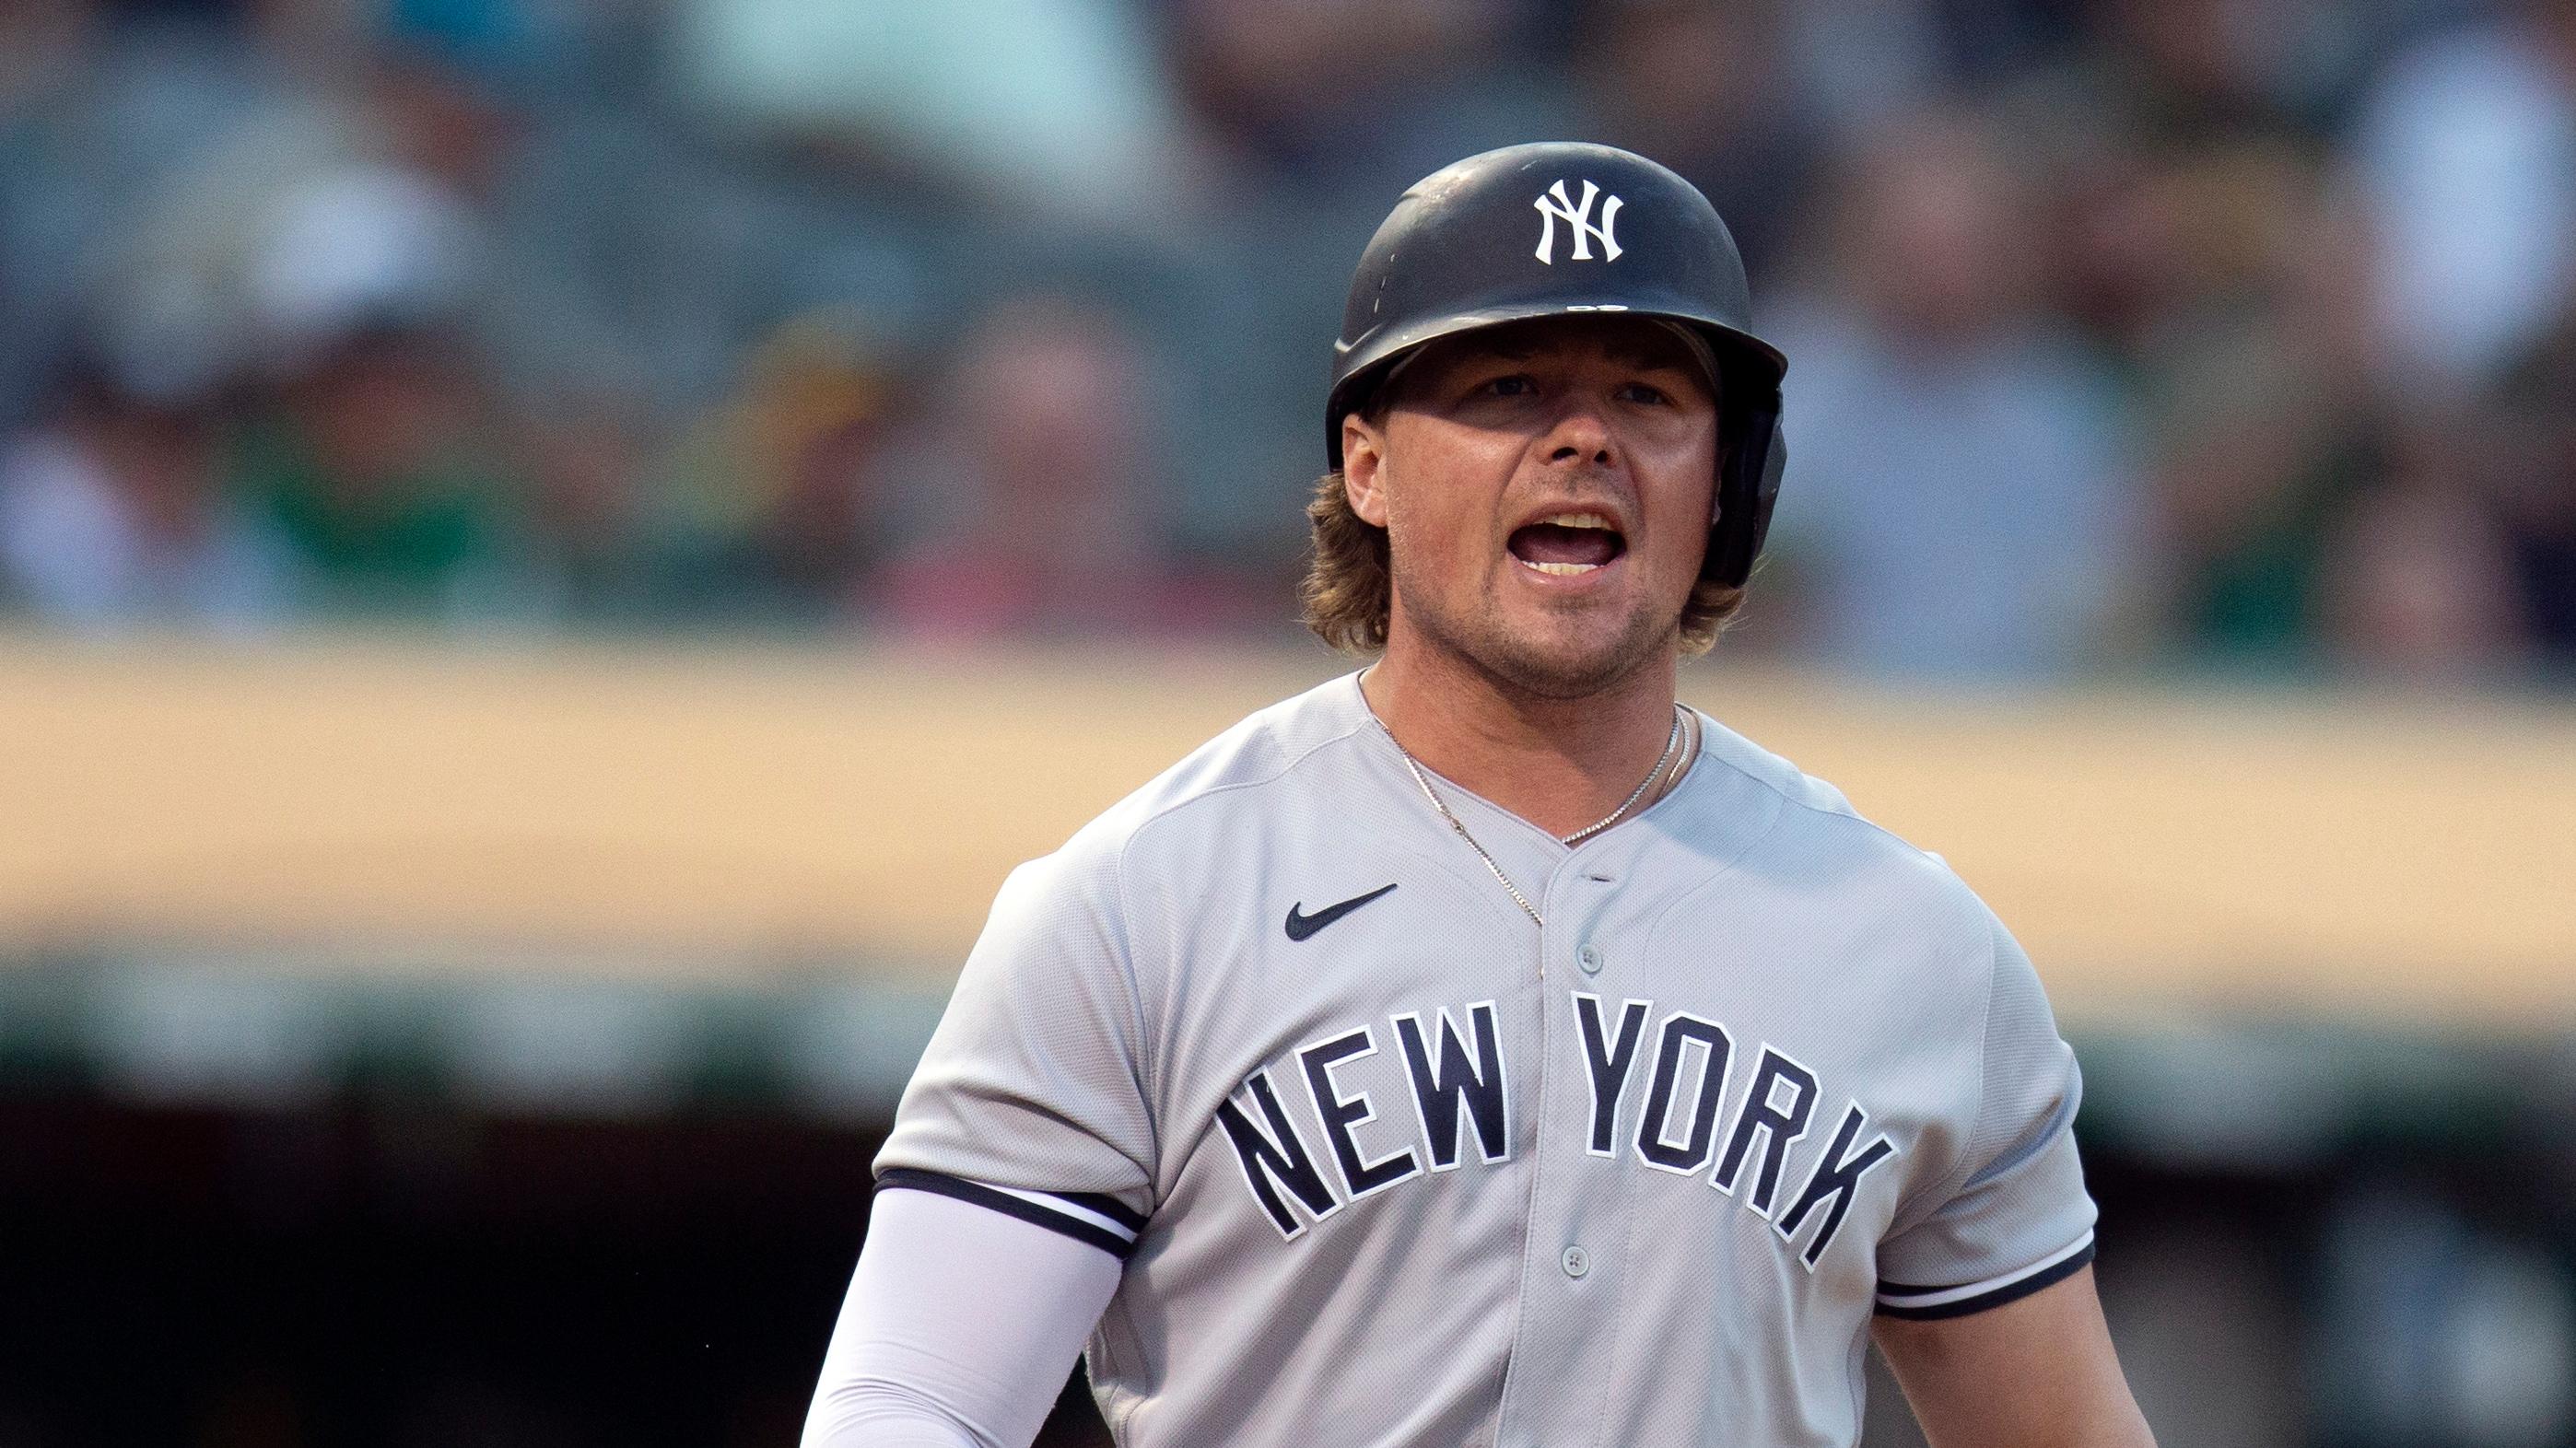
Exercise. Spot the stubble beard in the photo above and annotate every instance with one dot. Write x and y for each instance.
(1517, 665)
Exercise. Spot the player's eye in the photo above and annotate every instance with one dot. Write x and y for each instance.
(1646, 393)
(1514, 384)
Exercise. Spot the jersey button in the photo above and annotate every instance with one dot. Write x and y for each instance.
(1589, 957)
(1576, 1261)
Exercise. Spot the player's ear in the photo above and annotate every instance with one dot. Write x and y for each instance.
(1364, 469)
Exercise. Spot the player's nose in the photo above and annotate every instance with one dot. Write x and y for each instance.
(1578, 433)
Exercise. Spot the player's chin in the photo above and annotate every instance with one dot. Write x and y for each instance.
(1571, 647)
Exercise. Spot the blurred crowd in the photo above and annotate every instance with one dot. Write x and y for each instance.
(2122, 333)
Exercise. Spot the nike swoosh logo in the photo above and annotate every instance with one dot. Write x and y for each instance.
(1301, 925)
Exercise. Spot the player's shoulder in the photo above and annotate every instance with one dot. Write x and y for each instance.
(1200, 797)
(1818, 834)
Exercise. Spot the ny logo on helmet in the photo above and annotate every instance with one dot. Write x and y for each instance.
(1578, 218)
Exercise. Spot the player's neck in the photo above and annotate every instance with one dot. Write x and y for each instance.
(1561, 764)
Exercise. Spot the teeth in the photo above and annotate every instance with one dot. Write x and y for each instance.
(1579, 520)
(1560, 569)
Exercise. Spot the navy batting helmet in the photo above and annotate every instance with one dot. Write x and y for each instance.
(1562, 228)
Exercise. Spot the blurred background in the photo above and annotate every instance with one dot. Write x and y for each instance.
(553, 553)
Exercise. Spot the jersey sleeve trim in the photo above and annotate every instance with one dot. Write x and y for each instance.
(1088, 1217)
(1926, 1304)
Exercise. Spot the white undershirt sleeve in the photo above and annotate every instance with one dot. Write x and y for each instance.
(959, 1329)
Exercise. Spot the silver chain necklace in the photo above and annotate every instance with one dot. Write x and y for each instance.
(1672, 743)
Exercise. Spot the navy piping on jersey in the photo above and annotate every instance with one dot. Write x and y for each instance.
(1089, 1217)
(1928, 1304)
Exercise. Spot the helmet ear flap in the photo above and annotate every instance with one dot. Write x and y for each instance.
(1748, 482)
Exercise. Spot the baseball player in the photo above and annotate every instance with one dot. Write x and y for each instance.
(1481, 1048)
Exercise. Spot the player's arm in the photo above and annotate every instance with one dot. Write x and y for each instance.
(959, 1329)
(2037, 1372)
(1986, 1307)
(1017, 1178)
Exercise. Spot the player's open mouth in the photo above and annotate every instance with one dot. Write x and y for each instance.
(1565, 544)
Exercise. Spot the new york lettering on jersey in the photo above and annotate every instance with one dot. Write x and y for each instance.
(1676, 1117)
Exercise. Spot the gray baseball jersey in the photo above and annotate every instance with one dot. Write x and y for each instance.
(1390, 1164)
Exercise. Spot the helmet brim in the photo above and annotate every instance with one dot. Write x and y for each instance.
(1734, 347)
